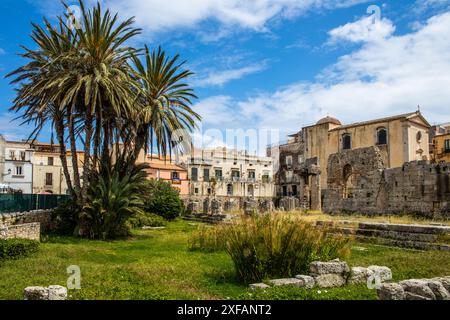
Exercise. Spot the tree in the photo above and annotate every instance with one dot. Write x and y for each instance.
(164, 101)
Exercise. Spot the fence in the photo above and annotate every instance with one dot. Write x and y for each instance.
(29, 202)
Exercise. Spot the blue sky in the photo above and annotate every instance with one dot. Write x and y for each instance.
(278, 64)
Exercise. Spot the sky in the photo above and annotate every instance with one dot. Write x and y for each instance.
(276, 65)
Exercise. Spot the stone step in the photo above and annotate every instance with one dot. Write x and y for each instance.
(404, 244)
(410, 228)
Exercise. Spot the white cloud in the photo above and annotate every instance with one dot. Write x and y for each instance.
(219, 78)
(161, 15)
(389, 76)
(364, 30)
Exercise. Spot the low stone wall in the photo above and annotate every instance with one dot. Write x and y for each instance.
(41, 216)
(30, 231)
(423, 237)
(416, 289)
(331, 274)
(219, 205)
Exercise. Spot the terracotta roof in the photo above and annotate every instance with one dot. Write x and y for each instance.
(400, 116)
(165, 166)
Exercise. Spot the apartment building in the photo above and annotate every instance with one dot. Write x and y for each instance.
(221, 172)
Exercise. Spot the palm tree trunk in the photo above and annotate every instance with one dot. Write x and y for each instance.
(63, 156)
(87, 149)
(73, 149)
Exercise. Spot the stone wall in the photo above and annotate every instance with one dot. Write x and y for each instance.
(41, 216)
(25, 231)
(358, 181)
(220, 205)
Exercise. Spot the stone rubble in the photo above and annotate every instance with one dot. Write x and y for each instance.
(416, 289)
(41, 293)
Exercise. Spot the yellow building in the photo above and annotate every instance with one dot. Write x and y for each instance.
(441, 148)
(48, 174)
(402, 138)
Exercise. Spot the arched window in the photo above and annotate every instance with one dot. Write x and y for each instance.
(381, 136)
(346, 141)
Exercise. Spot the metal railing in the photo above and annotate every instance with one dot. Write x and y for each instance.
(29, 202)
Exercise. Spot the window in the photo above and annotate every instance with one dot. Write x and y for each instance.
(251, 175)
(235, 174)
(12, 154)
(194, 174)
(251, 190)
(381, 136)
(22, 155)
(218, 174)
(289, 160)
(196, 190)
(301, 159)
(49, 179)
(50, 161)
(230, 189)
(447, 146)
(19, 171)
(266, 177)
(294, 190)
(419, 136)
(205, 174)
(346, 141)
(175, 175)
(209, 191)
(285, 192)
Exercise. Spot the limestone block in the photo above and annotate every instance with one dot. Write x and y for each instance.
(36, 293)
(391, 291)
(330, 280)
(445, 281)
(439, 290)
(333, 267)
(255, 286)
(57, 293)
(308, 281)
(359, 275)
(287, 282)
(384, 273)
(418, 287)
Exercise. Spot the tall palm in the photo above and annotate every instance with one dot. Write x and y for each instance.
(34, 99)
(101, 88)
(165, 102)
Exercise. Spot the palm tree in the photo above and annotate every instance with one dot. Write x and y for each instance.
(164, 104)
(35, 95)
(100, 87)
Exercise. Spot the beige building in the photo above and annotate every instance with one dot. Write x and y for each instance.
(228, 173)
(48, 174)
(401, 138)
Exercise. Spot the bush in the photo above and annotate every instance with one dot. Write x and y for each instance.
(163, 200)
(17, 248)
(144, 219)
(271, 246)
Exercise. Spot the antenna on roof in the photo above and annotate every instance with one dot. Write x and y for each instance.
(418, 108)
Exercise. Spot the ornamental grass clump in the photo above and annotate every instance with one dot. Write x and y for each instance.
(272, 246)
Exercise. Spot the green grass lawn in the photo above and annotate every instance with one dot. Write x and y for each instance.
(155, 264)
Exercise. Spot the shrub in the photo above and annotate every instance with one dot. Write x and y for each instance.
(17, 248)
(144, 219)
(271, 246)
(163, 200)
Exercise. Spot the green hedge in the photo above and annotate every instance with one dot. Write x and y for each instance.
(17, 248)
